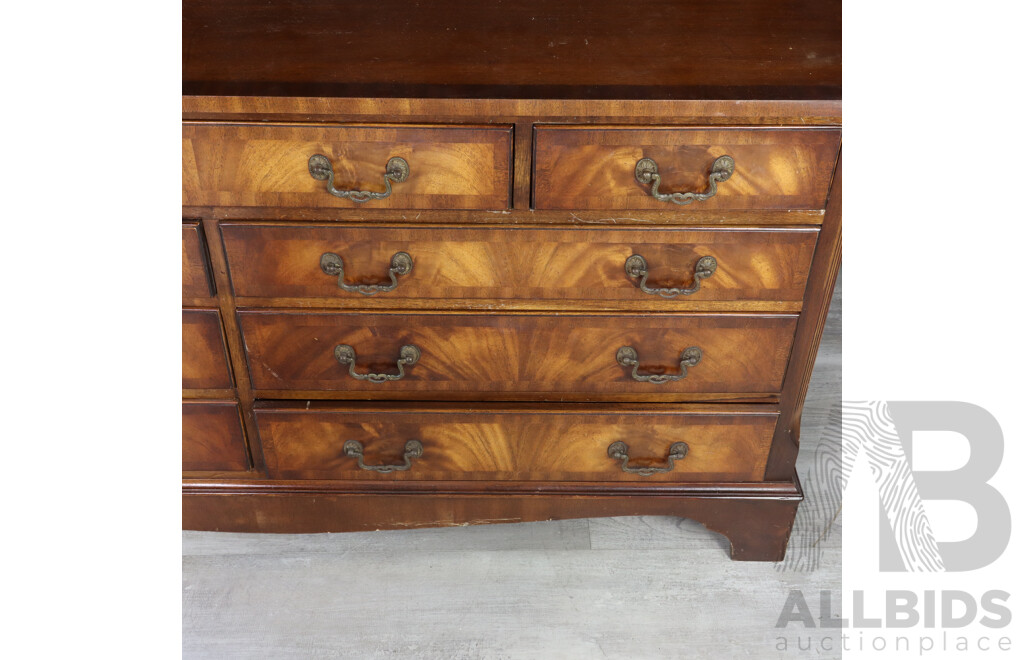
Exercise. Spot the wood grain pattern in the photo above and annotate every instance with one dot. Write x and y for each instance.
(550, 356)
(756, 522)
(211, 436)
(694, 217)
(204, 358)
(267, 165)
(195, 272)
(452, 264)
(476, 96)
(475, 443)
(675, 112)
(582, 167)
(649, 49)
(824, 272)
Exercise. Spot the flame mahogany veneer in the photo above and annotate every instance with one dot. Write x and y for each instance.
(519, 330)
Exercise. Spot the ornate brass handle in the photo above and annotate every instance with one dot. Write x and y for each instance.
(619, 451)
(636, 266)
(647, 172)
(396, 170)
(401, 264)
(346, 355)
(354, 449)
(627, 357)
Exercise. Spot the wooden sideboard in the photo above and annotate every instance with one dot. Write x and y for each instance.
(470, 262)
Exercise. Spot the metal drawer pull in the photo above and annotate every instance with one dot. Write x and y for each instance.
(345, 354)
(396, 170)
(401, 264)
(619, 451)
(647, 172)
(627, 357)
(636, 266)
(413, 449)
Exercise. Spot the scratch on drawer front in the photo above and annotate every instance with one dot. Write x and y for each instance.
(607, 221)
(485, 521)
(448, 523)
(267, 367)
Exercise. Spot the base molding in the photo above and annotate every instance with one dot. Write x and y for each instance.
(756, 518)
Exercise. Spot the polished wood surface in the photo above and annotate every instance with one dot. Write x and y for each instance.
(453, 264)
(268, 165)
(550, 356)
(204, 357)
(582, 167)
(522, 124)
(824, 271)
(474, 443)
(695, 217)
(647, 49)
(195, 272)
(211, 436)
(757, 520)
(688, 112)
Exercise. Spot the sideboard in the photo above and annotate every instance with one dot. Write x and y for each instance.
(480, 262)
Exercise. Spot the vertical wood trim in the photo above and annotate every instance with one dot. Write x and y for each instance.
(824, 269)
(233, 335)
(523, 164)
(211, 284)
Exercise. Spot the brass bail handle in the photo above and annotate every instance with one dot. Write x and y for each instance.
(627, 357)
(646, 172)
(407, 356)
(636, 266)
(332, 264)
(321, 169)
(413, 449)
(619, 451)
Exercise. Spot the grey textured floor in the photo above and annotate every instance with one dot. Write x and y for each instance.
(647, 587)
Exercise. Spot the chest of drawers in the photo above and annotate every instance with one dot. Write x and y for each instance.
(460, 263)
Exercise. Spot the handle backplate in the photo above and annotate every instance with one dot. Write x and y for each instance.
(627, 357)
(407, 356)
(619, 451)
(646, 172)
(636, 267)
(396, 170)
(332, 264)
(354, 449)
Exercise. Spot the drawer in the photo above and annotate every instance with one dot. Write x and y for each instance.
(195, 274)
(596, 168)
(449, 264)
(449, 167)
(514, 443)
(547, 356)
(211, 436)
(204, 355)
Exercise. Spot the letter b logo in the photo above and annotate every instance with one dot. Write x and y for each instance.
(884, 430)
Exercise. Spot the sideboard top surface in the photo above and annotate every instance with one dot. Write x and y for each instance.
(522, 49)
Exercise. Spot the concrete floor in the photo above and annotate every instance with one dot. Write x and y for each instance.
(644, 587)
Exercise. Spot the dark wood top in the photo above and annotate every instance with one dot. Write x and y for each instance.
(542, 49)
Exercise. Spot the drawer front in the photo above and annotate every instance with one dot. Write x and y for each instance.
(559, 356)
(451, 263)
(211, 436)
(269, 165)
(204, 356)
(507, 444)
(596, 168)
(195, 278)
